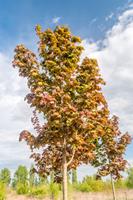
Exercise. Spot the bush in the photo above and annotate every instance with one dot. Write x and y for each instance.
(2, 191)
(22, 188)
(90, 184)
(83, 187)
(38, 191)
(97, 186)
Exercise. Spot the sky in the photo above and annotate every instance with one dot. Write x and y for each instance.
(106, 29)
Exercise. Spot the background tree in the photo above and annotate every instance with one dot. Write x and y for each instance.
(42, 180)
(32, 176)
(20, 176)
(74, 176)
(69, 96)
(130, 178)
(52, 177)
(5, 176)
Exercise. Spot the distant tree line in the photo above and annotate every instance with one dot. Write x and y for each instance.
(25, 181)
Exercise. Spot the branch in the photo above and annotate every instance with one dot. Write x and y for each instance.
(71, 157)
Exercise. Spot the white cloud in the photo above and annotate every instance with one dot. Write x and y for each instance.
(93, 21)
(127, 17)
(14, 115)
(55, 20)
(131, 5)
(130, 162)
(85, 170)
(115, 58)
(109, 17)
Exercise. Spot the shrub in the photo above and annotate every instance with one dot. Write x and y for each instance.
(83, 187)
(22, 188)
(97, 185)
(38, 191)
(2, 191)
(90, 184)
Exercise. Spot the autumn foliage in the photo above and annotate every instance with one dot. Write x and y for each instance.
(111, 149)
(67, 92)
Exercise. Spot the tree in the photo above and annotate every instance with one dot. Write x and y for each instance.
(74, 176)
(110, 152)
(68, 95)
(52, 177)
(5, 176)
(20, 176)
(32, 176)
(130, 178)
(42, 180)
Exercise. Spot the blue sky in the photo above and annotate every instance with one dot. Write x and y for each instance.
(106, 28)
(86, 18)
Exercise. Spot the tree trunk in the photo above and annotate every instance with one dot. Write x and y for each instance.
(113, 187)
(64, 173)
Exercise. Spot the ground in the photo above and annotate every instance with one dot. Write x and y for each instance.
(121, 195)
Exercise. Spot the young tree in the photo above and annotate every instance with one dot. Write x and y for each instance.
(68, 95)
(110, 152)
(20, 176)
(5, 176)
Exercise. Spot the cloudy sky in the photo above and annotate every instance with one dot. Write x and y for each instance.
(106, 28)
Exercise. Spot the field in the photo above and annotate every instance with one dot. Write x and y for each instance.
(121, 195)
